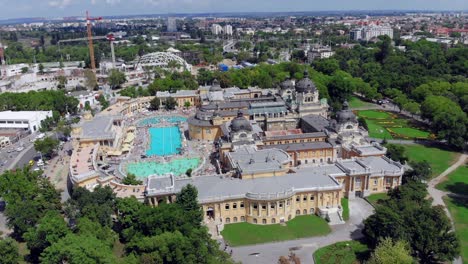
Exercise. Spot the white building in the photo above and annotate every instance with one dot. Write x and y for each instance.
(369, 32)
(216, 29)
(26, 120)
(172, 24)
(227, 30)
(319, 52)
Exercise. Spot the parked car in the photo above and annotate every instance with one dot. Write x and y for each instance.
(19, 149)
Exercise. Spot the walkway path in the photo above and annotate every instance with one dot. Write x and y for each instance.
(438, 194)
(304, 248)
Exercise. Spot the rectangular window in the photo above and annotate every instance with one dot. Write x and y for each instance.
(255, 206)
(312, 198)
(272, 206)
(298, 198)
(304, 198)
(280, 205)
(234, 206)
(375, 182)
(264, 206)
(241, 205)
(226, 206)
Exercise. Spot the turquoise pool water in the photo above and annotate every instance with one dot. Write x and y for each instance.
(177, 167)
(164, 141)
(157, 119)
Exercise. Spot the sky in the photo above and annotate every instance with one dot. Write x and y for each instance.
(60, 8)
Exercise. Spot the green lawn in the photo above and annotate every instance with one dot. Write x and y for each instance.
(411, 132)
(345, 252)
(456, 182)
(239, 234)
(388, 125)
(459, 210)
(355, 102)
(375, 114)
(439, 159)
(345, 205)
(374, 198)
(377, 131)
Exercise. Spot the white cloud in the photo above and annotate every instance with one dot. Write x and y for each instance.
(59, 3)
(110, 2)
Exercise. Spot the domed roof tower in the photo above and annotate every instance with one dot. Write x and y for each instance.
(240, 123)
(305, 85)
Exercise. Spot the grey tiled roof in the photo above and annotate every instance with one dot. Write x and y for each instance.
(301, 146)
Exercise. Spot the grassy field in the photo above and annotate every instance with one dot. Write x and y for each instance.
(301, 226)
(374, 198)
(345, 252)
(439, 159)
(357, 103)
(345, 205)
(459, 210)
(456, 182)
(387, 125)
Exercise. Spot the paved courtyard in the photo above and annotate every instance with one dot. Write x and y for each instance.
(304, 248)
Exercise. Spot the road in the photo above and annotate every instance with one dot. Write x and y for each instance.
(270, 252)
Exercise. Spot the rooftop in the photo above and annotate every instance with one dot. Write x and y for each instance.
(24, 115)
(248, 159)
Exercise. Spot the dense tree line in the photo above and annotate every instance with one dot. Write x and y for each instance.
(426, 79)
(91, 225)
(56, 101)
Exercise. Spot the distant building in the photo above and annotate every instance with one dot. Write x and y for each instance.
(319, 52)
(227, 30)
(172, 24)
(216, 29)
(369, 32)
(25, 120)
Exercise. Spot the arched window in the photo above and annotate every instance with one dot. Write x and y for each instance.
(234, 206)
(242, 218)
(312, 210)
(255, 220)
(228, 220)
(349, 127)
(264, 221)
(289, 217)
(273, 221)
(305, 211)
(235, 219)
(298, 212)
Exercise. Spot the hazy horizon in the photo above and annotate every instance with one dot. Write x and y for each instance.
(61, 8)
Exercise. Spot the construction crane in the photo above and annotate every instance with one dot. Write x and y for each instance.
(90, 39)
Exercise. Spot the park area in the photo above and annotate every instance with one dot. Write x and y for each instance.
(345, 252)
(240, 234)
(439, 159)
(458, 208)
(355, 102)
(386, 125)
(456, 182)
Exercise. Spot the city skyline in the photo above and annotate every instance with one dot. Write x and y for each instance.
(59, 8)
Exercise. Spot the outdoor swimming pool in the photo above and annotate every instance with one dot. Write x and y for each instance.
(157, 119)
(164, 141)
(177, 167)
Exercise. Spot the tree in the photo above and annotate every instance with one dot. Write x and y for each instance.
(46, 146)
(50, 228)
(9, 251)
(396, 152)
(90, 77)
(420, 171)
(409, 216)
(41, 68)
(62, 80)
(389, 252)
(187, 199)
(187, 104)
(170, 103)
(131, 179)
(116, 78)
(103, 102)
(29, 196)
(24, 70)
(155, 103)
(78, 249)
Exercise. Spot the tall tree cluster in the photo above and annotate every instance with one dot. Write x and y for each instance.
(91, 226)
